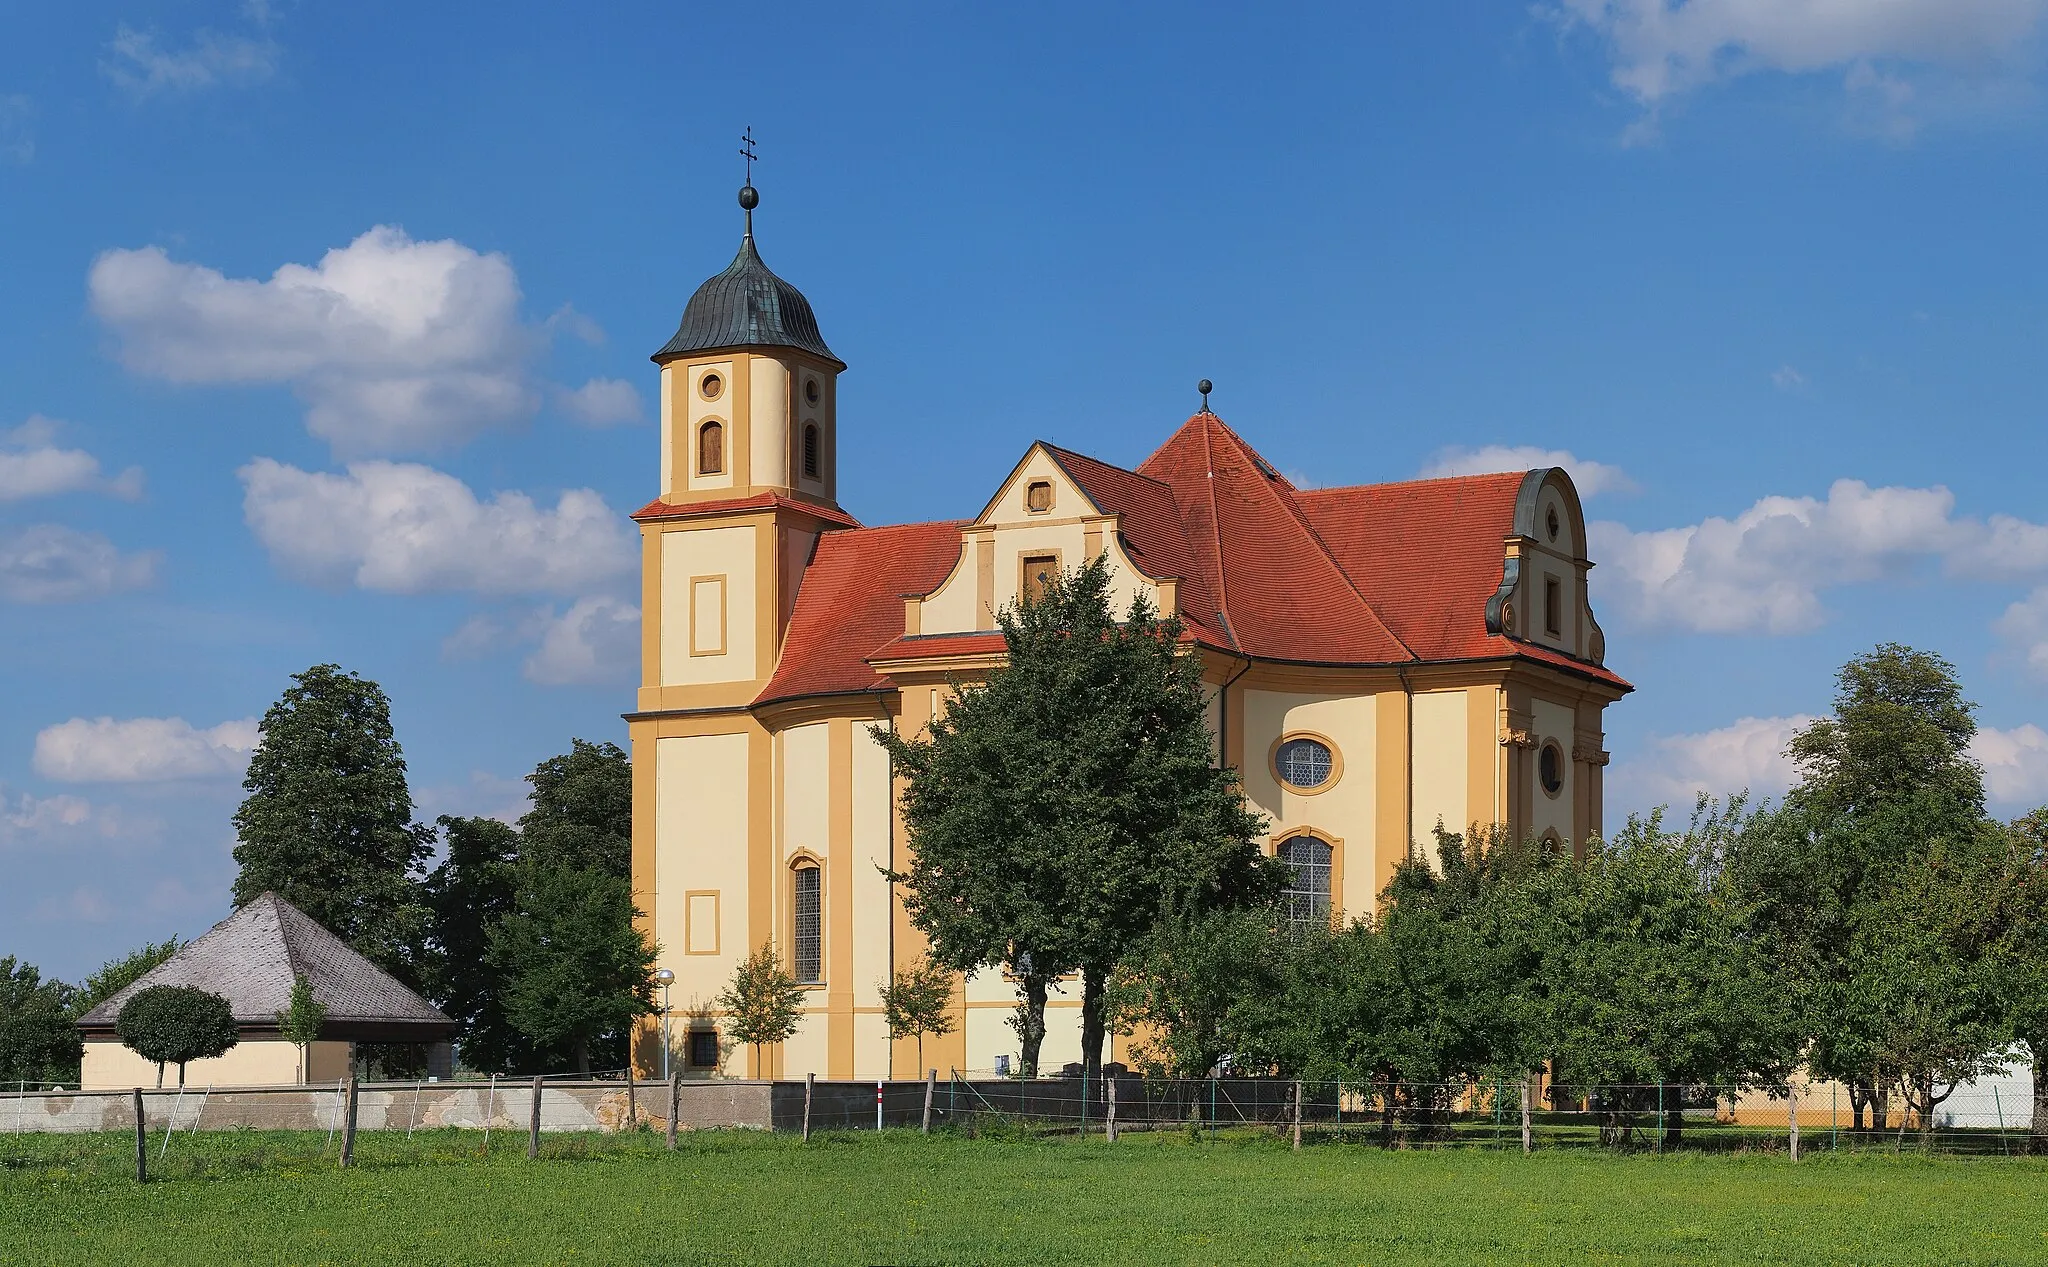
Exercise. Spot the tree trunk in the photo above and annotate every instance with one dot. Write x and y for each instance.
(159, 1075)
(1388, 1085)
(1674, 1115)
(1880, 1104)
(2038, 1133)
(582, 1058)
(181, 1075)
(1092, 1028)
(1034, 1024)
(1859, 1096)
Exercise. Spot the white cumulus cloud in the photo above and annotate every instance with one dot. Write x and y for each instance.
(1765, 569)
(1664, 47)
(602, 402)
(394, 344)
(142, 749)
(31, 465)
(2025, 628)
(214, 59)
(1591, 478)
(2015, 764)
(410, 529)
(1748, 754)
(49, 563)
(596, 640)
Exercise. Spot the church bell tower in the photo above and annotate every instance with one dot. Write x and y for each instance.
(749, 390)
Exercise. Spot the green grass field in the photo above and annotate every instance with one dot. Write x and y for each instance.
(233, 1197)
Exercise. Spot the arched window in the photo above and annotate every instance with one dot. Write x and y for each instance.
(1307, 895)
(810, 451)
(807, 929)
(1550, 769)
(711, 449)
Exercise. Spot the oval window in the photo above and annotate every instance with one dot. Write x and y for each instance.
(1550, 769)
(1552, 523)
(1304, 764)
(711, 386)
(811, 391)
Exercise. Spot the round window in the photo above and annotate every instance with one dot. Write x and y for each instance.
(811, 390)
(1304, 764)
(711, 386)
(1550, 769)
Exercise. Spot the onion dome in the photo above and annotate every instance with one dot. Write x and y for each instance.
(747, 306)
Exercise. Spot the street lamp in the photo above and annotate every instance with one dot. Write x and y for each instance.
(667, 979)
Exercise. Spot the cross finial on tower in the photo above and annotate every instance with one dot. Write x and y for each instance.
(750, 198)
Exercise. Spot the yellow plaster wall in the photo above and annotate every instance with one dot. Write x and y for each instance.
(253, 1063)
(989, 1033)
(955, 605)
(1344, 811)
(701, 830)
(1553, 723)
(1443, 765)
(701, 552)
(871, 1049)
(871, 828)
(806, 801)
(768, 421)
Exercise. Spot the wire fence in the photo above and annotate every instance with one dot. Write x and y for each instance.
(503, 1114)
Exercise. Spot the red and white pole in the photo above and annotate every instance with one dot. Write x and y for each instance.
(878, 1104)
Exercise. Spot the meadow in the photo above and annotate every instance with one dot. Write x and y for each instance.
(744, 1197)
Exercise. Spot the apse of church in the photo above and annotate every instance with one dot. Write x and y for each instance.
(1383, 658)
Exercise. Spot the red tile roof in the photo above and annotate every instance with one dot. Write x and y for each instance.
(851, 602)
(658, 509)
(1379, 574)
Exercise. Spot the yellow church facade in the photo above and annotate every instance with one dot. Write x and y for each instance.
(1382, 659)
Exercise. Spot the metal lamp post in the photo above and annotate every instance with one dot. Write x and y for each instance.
(667, 979)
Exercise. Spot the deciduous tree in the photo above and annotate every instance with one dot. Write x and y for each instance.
(918, 1000)
(578, 972)
(1059, 811)
(38, 1042)
(467, 895)
(763, 1004)
(300, 1022)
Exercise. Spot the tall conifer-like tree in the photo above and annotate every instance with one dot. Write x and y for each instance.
(582, 815)
(328, 821)
(1059, 812)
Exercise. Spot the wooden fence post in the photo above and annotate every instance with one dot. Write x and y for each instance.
(1527, 1142)
(632, 1097)
(1792, 1115)
(810, 1079)
(1297, 1115)
(348, 1126)
(931, 1086)
(675, 1105)
(533, 1124)
(141, 1142)
(1109, 1118)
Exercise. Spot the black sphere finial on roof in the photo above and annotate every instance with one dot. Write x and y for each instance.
(1205, 387)
(750, 197)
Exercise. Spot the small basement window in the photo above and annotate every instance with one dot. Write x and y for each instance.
(704, 1048)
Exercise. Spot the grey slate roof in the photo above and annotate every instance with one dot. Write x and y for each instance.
(747, 306)
(251, 959)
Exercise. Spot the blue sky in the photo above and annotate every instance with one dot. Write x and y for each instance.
(323, 337)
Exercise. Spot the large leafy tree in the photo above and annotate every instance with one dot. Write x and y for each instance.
(38, 1042)
(578, 973)
(1060, 811)
(2021, 956)
(1649, 977)
(1869, 884)
(328, 820)
(582, 815)
(467, 895)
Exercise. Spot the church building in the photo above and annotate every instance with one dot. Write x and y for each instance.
(1383, 658)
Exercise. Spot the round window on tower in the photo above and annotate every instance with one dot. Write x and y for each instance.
(1550, 769)
(811, 391)
(1306, 763)
(711, 387)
